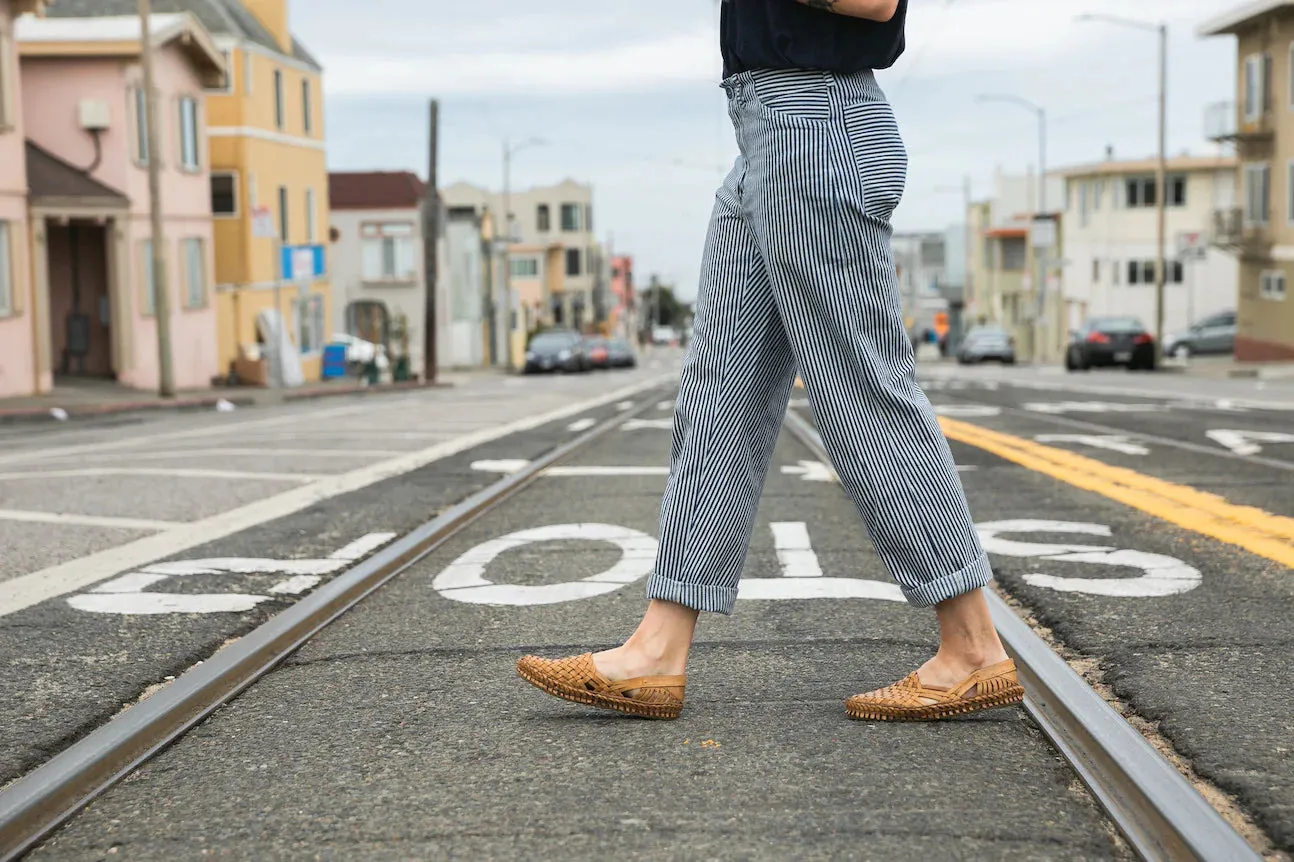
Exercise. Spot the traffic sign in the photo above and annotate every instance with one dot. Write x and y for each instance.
(263, 222)
(1192, 245)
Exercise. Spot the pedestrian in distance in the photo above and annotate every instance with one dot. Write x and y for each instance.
(798, 276)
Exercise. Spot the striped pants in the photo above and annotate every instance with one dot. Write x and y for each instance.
(799, 275)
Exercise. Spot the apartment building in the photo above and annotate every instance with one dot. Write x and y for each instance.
(554, 256)
(269, 179)
(1259, 228)
(93, 288)
(1110, 236)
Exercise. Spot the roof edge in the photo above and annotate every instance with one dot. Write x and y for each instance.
(1228, 23)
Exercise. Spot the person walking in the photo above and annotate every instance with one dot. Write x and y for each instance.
(798, 276)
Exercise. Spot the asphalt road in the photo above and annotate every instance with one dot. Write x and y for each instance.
(77, 643)
(402, 731)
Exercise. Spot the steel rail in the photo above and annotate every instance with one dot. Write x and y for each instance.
(1155, 808)
(35, 805)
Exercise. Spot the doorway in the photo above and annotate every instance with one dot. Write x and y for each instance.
(80, 302)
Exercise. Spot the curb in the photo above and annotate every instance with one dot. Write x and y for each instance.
(95, 411)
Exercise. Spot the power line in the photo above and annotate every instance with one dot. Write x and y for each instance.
(923, 47)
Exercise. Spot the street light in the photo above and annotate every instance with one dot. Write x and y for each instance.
(965, 191)
(1040, 268)
(1161, 181)
(509, 150)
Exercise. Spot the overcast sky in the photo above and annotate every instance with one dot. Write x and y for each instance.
(626, 97)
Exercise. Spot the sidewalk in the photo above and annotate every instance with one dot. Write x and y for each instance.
(85, 399)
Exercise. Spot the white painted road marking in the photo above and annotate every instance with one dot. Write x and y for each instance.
(655, 424)
(1113, 442)
(967, 411)
(68, 519)
(794, 552)
(1057, 408)
(810, 471)
(161, 472)
(27, 590)
(665, 405)
(129, 594)
(515, 466)
(582, 424)
(1247, 442)
(625, 405)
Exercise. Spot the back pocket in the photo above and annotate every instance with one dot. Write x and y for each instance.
(878, 155)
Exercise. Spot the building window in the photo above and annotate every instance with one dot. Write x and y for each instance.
(1289, 191)
(226, 84)
(571, 217)
(1013, 255)
(307, 109)
(1098, 189)
(1176, 272)
(1271, 285)
(524, 267)
(7, 118)
(310, 216)
(543, 219)
(195, 273)
(278, 99)
(141, 126)
(1115, 268)
(1082, 204)
(388, 253)
(1176, 190)
(189, 133)
(224, 194)
(310, 323)
(588, 218)
(1140, 192)
(572, 261)
(1258, 73)
(1096, 271)
(1257, 194)
(248, 66)
(283, 214)
(148, 280)
(6, 273)
(1141, 272)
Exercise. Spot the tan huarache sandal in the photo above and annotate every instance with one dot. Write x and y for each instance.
(908, 700)
(577, 679)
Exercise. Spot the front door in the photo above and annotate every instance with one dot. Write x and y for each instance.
(79, 301)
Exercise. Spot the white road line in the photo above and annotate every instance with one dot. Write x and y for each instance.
(581, 424)
(242, 452)
(87, 521)
(607, 471)
(361, 548)
(654, 424)
(295, 585)
(231, 428)
(624, 405)
(176, 472)
(27, 590)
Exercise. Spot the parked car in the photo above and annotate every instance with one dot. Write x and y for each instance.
(622, 353)
(556, 350)
(1105, 341)
(1215, 334)
(987, 342)
(598, 352)
(664, 335)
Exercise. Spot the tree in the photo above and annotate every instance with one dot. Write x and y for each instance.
(660, 306)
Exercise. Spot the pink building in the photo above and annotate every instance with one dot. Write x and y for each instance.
(90, 309)
(17, 369)
(624, 304)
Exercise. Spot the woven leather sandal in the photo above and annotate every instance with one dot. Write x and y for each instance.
(908, 700)
(577, 679)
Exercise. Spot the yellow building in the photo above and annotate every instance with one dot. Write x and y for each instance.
(266, 133)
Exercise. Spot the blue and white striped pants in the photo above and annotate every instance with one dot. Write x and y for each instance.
(799, 274)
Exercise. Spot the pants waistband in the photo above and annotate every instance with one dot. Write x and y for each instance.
(856, 85)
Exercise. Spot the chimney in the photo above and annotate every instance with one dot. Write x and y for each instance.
(1109, 152)
(273, 15)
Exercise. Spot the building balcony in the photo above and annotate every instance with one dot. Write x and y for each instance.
(1232, 232)
(1224, 122)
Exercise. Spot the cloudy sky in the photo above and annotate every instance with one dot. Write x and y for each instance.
(625, 95)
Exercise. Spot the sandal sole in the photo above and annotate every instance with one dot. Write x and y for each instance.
(625, 705)
(936, 711)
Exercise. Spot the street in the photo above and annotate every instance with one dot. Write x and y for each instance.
(401, 730)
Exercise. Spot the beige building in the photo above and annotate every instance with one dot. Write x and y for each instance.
(1111, 235)
(1259, 227)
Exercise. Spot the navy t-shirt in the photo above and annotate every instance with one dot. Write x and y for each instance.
(784, 34)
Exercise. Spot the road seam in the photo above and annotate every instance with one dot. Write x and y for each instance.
(1255, 530)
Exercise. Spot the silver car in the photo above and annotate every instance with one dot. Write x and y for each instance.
(1214, 335)
(987, 342)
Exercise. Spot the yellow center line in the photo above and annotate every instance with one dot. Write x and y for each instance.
(1255, 530)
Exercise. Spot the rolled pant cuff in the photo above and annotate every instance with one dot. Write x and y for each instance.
(971, 578)
(698, 597)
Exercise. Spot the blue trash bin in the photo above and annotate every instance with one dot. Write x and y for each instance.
(334, 361)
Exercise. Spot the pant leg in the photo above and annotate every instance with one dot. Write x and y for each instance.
(736, 381)
(829, 170)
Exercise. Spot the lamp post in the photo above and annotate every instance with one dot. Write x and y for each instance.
(965, 191)
(509, 150)
(1040, 270)
(1161, 178)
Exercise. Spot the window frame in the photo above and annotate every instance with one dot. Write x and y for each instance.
(311, 218)
(307, 107)
(577, 256)
(310, 306)
(200, 301)
(148, 277)
(389, 236)
(543, 218)
(1247, 171)
(8, 82)
(8, 296)
(233, 181)
(285, 225)
(575, 208)
(139, 108)
(1253, 97)
(1267, 280)
(280, 106)
(532, 259)
(185, 165)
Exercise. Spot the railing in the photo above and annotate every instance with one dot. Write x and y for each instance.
(1230, 230)
(1223, 121)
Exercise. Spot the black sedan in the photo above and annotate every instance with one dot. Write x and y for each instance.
(987, 342)
(622, 354)
(556, 351)
(1107, 341)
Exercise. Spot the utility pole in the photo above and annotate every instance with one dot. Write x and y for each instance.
(1161, 199)
(161, 295)
(505, 231)
(430, 235)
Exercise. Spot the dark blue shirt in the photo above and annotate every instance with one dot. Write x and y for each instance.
(784, 34)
